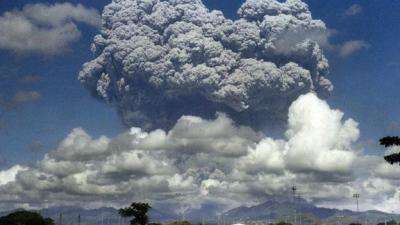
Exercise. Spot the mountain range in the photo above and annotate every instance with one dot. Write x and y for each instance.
(300, 211)
(274, 209)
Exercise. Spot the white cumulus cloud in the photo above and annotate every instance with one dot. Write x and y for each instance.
(201, 161)
(44, 29)
(7, 176)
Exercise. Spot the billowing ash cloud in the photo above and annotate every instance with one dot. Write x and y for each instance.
(158, 60)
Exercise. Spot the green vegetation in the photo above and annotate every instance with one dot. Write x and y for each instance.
(155, 224)
(137, 210)
(283, 223)
(25, 218)
(180, 223)
(389, 142)
(392, 222)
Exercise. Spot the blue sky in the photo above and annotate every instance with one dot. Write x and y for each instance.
(365, 81)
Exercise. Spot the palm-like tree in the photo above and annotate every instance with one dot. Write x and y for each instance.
(388, 142)
(137, 210)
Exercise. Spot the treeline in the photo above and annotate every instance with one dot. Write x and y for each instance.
(136, 212)
(392, 222)
(25, 218)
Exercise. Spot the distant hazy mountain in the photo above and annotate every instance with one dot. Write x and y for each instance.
(69, 215)
(274, 209)
(280, 208)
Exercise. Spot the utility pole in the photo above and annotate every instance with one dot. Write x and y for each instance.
(60, 219)
(357, 196)
(102, 217)
(300, 214)
(102, 210)
(294, 188)
(394, 219)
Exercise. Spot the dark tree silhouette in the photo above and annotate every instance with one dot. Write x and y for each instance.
(25, 218)
(388, 142)
(180, 223)
(283, 223)
(392, 222)
(137, 210)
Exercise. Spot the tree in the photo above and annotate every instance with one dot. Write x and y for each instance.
(391, 222)
(388, 142)
(137, 210)
(25, 218)
(180, 223)
(283, 223)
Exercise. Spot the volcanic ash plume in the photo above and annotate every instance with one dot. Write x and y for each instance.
(157, 60)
